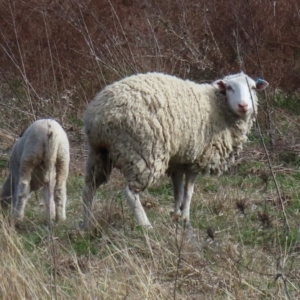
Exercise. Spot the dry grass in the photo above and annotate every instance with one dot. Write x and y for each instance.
(239, 247)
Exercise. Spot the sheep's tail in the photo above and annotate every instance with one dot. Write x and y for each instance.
(51, 150)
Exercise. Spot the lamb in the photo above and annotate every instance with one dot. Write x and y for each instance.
(39, 159)
(150, 124)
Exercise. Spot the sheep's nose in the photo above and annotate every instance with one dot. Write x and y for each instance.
(243, 106)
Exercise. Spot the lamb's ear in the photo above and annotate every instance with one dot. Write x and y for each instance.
(261, 84)
(220, 85)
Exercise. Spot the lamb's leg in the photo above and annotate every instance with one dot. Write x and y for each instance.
(23, 191)
(60, 190)
(60, 197)
(188, 193)
(133, 201)
(177, 182)
(97, 172)
(48, 195)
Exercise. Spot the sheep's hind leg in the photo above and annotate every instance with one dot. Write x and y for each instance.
(133, 201)
(48, 195)
(60, 190)
(188, 193)
(60, 198)
(177, 182)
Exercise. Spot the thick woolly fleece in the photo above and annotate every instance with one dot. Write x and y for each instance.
(39, 158)
(150, 124)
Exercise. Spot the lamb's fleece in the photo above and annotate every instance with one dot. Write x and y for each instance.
(39, 158)
(152, 123)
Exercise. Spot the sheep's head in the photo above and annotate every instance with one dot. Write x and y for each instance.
(240, 91)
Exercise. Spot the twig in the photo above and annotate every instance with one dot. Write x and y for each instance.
(51, 58)
(50, 237)
(261, 70)
(268, 116)
(269, 160)
(23, 69)
(179, 251)
(125, 37)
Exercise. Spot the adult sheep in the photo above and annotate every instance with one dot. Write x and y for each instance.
(39, 159)
(150, 124)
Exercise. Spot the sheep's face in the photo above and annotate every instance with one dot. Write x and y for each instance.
(240, 91)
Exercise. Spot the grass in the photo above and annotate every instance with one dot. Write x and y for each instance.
(239, 247)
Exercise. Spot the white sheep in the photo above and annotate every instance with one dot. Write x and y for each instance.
(150, 124)
(39, 158)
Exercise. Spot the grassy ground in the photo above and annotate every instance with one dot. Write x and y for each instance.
(243, 244)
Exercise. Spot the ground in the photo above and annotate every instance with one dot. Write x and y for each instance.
(244, 243)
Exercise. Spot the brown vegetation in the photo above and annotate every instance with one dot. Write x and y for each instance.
(51, 47)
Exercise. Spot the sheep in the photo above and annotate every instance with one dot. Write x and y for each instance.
(39, 159)
(150, 124)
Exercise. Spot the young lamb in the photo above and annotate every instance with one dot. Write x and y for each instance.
(39, 158)
(150, 124)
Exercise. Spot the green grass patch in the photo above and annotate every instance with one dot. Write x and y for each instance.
(287, 101)
(73, 119)
(83, 246)
(3, 163)
(32, 240)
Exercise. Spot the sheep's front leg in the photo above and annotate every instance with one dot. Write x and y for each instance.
(15, 190)
(89, 192)
(21, 196)
(95, 176)
(177, 182)
(188, 193)
(133, 201)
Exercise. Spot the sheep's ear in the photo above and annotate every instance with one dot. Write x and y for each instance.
(220, 85)
(261, 84)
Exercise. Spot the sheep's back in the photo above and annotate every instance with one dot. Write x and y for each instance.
(153, 112)
(42, 141)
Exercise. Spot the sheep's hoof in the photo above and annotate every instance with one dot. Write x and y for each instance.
(187, 224)
(18, 217)
(60, 219)
(175, 215)
(147, 227)
(144, 228)
(16, 221)
(83, 225)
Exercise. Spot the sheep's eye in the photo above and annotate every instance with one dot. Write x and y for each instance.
(229, 88)
(253, 87)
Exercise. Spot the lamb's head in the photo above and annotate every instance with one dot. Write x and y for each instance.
(240, 92)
